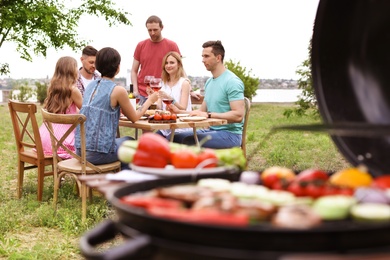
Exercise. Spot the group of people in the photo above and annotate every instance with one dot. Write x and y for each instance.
(97, 96)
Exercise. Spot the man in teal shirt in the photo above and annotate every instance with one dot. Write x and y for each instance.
(224, 99)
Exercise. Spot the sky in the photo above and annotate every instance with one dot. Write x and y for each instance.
(269, 38)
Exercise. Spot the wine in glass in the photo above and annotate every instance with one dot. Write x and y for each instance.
(155, 84)
(167, 101)
(147, 80)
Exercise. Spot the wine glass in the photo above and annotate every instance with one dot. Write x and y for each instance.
(147, 80)
(167, 101)
(155, 84)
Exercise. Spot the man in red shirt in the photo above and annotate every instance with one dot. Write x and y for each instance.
(148, 56)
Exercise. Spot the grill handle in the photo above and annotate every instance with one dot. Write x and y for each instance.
(137, 246)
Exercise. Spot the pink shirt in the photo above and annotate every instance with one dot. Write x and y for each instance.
(150, 55)
(59, 131)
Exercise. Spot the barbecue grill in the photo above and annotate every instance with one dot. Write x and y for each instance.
(350, 68)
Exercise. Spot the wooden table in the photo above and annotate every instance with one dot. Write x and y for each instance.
(145, 125)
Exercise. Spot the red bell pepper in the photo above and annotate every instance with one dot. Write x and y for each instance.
(201, 216)
(153, 151)
(149, 202)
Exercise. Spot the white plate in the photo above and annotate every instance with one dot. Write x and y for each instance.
(170, 171)
(193, 118)
(126, 119)
(183, 115)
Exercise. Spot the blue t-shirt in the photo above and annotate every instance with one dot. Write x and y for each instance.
(219, 92)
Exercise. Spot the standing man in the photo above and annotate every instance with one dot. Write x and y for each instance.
(148, 56)
(87, 72)
(224, 98)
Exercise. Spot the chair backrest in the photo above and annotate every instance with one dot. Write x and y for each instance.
(246, 119)
(72, 120)
(26, 129)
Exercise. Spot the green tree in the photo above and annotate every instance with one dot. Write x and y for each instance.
(35, 26)
(23, 94)
(307, 101)
(41, 91)
(251, 84)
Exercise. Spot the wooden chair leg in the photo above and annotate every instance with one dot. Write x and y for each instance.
(20, 179)
(41, 176)
(57, 181)
(83, 202)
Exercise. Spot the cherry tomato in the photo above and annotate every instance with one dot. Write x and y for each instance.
(166, 117)
(346, 191)
(281, 184)
(269, 180)
(314, 190)
(184, 158)
(272, 174)
(312, 175)
(173, 116)
(382, 182)
(330, 190)
(157, 117)
(297, 189)
(208, 154)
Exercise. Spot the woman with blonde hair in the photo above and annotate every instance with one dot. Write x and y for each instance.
(63, 97)
(175, 86)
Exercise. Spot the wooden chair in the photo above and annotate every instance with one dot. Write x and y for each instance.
(77, 165)
(246, 118)
(28, 144)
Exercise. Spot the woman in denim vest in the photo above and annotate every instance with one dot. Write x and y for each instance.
(102, 105)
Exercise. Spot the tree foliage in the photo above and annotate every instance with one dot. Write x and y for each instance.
(23, 94)
(41, 91)
(251, 84)
(307, 102)
(36, 25)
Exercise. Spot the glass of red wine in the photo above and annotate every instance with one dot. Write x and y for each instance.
(167, 101)
(155, 84)
(147, 80)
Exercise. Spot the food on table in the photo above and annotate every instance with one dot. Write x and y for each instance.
(334, 207)
(162, 117)
(296, 217)
(352, 177)
(371, 212)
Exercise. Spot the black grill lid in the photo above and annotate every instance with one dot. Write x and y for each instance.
(351, 75)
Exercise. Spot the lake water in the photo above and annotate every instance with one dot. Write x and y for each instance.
(277, 95)
(262, 95)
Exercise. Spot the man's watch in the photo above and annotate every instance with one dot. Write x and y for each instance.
(209, 114)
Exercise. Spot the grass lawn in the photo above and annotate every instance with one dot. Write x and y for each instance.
(33, 230)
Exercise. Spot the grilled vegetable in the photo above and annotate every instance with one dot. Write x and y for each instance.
(162, 152)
